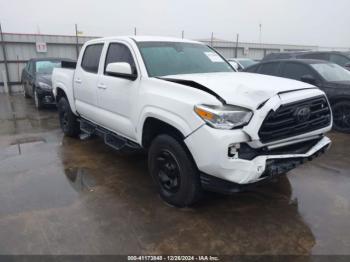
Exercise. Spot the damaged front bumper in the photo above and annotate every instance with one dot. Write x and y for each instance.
(276, 165)
(227, 174)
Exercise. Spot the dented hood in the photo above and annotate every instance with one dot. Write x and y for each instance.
(243, 89)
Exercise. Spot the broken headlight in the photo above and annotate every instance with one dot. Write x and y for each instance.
(224, 117)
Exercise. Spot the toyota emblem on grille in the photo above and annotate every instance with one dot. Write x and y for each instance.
(302, 114)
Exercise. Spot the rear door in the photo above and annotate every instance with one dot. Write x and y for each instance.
(116, 94)
(85, 82)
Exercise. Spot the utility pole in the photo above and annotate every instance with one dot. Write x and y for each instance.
(212, 39)
(135, 32)
(76, 40)
(183, 34)
(260, 33)
(236, 49)
(5, 61)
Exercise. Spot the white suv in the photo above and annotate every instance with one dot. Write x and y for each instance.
(204, 125)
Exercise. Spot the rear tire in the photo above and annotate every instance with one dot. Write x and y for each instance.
(25, 93)
(37, 101)
(341, 116)
(68, 121)
(174, 172)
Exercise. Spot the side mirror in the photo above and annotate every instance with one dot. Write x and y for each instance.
(347, 66)
(309, 79)
(122, 70)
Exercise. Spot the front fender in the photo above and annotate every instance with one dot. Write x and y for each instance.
(168, 117)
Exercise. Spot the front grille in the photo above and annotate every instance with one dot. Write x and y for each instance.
(295, 119)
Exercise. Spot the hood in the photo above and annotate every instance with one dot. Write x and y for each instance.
(44, 78)
(243, 89)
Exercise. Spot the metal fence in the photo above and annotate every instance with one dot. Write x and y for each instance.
(19, 48)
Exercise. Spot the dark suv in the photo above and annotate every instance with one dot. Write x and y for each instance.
(36, 79)
(333, 79)
(339, 58)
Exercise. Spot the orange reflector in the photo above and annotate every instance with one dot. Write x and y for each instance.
(204, 114)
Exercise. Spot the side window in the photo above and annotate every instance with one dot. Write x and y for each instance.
(317, 56)
(91, 58)
(269, 69)
(339, 59)
(252, 69)
(296, 71)
(119, 53)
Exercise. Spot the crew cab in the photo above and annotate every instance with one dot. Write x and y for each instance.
(204, 126)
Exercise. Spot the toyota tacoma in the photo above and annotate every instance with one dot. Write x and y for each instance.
(203, 125)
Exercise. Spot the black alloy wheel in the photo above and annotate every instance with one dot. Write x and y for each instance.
(168, 171)
(341, 116)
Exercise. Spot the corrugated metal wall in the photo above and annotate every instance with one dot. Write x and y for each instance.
(253, 50)
(22, 47)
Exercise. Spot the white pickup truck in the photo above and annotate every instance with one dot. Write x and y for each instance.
(204, 126)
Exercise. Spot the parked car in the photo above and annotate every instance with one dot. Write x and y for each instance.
(241, 63)
(36, 79)
(331, 78)
(339, 58)
(203, 125)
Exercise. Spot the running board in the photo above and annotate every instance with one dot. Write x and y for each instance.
(111, 139)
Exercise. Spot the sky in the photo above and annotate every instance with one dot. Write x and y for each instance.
(305, 22)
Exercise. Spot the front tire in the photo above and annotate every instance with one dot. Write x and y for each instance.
(174, 172)
(341, 116)
(68, 121)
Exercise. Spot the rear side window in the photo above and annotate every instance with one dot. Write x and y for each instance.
(296, 71)
(251, 69)
(317, 56)
(119, 53)
(339, 59)
(269, 69)
(91, 58)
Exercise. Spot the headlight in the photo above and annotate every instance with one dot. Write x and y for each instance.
(224, 117)
(44, 86)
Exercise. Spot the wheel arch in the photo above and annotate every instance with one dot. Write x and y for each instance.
(153, 126)
(60, 91)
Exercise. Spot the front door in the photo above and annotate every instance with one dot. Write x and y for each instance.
(115, 94)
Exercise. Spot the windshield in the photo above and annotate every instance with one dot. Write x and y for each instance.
(246, 62)
(46, 67)
(332, 72)
(174, 58)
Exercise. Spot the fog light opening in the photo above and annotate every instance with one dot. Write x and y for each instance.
(233, 150)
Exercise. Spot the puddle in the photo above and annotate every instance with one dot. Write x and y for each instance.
(28, 140)
(20, 146)
(80, 178)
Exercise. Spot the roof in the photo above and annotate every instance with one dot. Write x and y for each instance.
(301, 61)
(145, 39)
(51, 58)
(308, 52)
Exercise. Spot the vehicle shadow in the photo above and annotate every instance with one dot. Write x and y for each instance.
(121, 200)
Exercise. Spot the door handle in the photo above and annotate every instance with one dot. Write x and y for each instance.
(102, 86)
(78, 81)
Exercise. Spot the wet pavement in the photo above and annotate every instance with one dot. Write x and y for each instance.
(65, 196)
